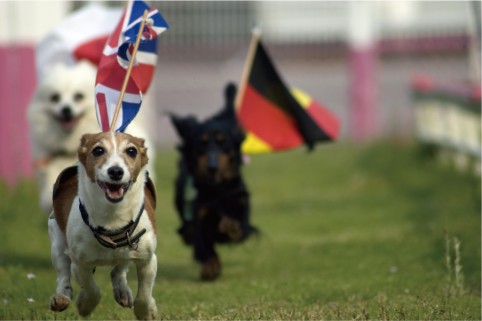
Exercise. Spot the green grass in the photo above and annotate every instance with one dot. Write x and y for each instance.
(347, 232)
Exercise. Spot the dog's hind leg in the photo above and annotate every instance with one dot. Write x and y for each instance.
(122, 292)
(89, 295)
(61, 262)
(144, 304)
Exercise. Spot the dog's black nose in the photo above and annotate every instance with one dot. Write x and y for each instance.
(66, 113)
(213, 163)
(115, 173)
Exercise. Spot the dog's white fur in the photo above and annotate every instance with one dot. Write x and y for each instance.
(76, 250)
(54, 145)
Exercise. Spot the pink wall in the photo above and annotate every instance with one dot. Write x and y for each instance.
(17, 85)
(363, 91)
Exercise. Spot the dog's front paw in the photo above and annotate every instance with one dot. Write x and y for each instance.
(211, 269)
(231, 228)
(123, 296)
(86, 302)
(145, 310)
(59, 302)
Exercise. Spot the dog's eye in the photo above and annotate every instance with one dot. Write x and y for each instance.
(78, 97)
(98, 151)
(55, 98)
(132, 152)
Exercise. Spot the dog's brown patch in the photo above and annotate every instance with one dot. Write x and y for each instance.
(132, 151)
(231, 228)
(219, 137)
(65, 190)
(150, 202)
(137, 163)
(89, 142)
(226, 169)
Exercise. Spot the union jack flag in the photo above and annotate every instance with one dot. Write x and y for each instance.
(115, 58)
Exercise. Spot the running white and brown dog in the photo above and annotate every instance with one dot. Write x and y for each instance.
(61, 111)
(104, 214)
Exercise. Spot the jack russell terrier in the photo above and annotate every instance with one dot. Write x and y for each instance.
(104, 214)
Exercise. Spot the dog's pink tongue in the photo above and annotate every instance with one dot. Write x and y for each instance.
(115, 191)
(68, 124)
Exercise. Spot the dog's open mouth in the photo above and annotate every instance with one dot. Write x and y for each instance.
(67, 120)
(68, 124)
(113, 192)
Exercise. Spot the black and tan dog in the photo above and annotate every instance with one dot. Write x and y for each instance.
(211, 196)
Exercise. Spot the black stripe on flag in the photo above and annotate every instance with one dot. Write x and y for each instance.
(267, 82)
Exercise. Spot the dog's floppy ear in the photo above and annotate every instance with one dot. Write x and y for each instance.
(142, 150)
(184, 125)
(83, 150)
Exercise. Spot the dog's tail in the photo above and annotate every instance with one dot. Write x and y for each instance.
(228, 113)
(230, 93)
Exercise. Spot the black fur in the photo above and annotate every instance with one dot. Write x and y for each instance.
(211, 197)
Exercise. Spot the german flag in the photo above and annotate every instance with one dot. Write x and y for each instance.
(276, 118)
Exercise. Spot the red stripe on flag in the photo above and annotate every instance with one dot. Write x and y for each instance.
(111, 74)
(91, 50)
(268, 121)
(104, 116)
(324, 118)
(142, 74)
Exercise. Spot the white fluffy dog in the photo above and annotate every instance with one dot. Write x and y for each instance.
(61, 111)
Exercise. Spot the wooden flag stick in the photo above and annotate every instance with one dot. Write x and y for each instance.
(128, 71)
(256, 34)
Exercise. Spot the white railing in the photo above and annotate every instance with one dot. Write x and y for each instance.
(447, 118)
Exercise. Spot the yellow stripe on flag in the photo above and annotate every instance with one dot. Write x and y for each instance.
(301, 97)
(253, 145)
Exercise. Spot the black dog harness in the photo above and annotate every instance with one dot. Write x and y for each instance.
(116, 238)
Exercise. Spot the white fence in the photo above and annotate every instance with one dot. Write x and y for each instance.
(448, 119)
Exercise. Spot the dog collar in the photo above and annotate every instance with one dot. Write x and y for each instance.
(114, 239)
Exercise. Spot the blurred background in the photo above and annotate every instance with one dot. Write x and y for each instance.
(389, 69)
(368, 227)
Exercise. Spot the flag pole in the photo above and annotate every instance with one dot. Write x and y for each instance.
(128, 71)
(256, 34)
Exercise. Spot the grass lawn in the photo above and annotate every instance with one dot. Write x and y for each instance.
(347, 232)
